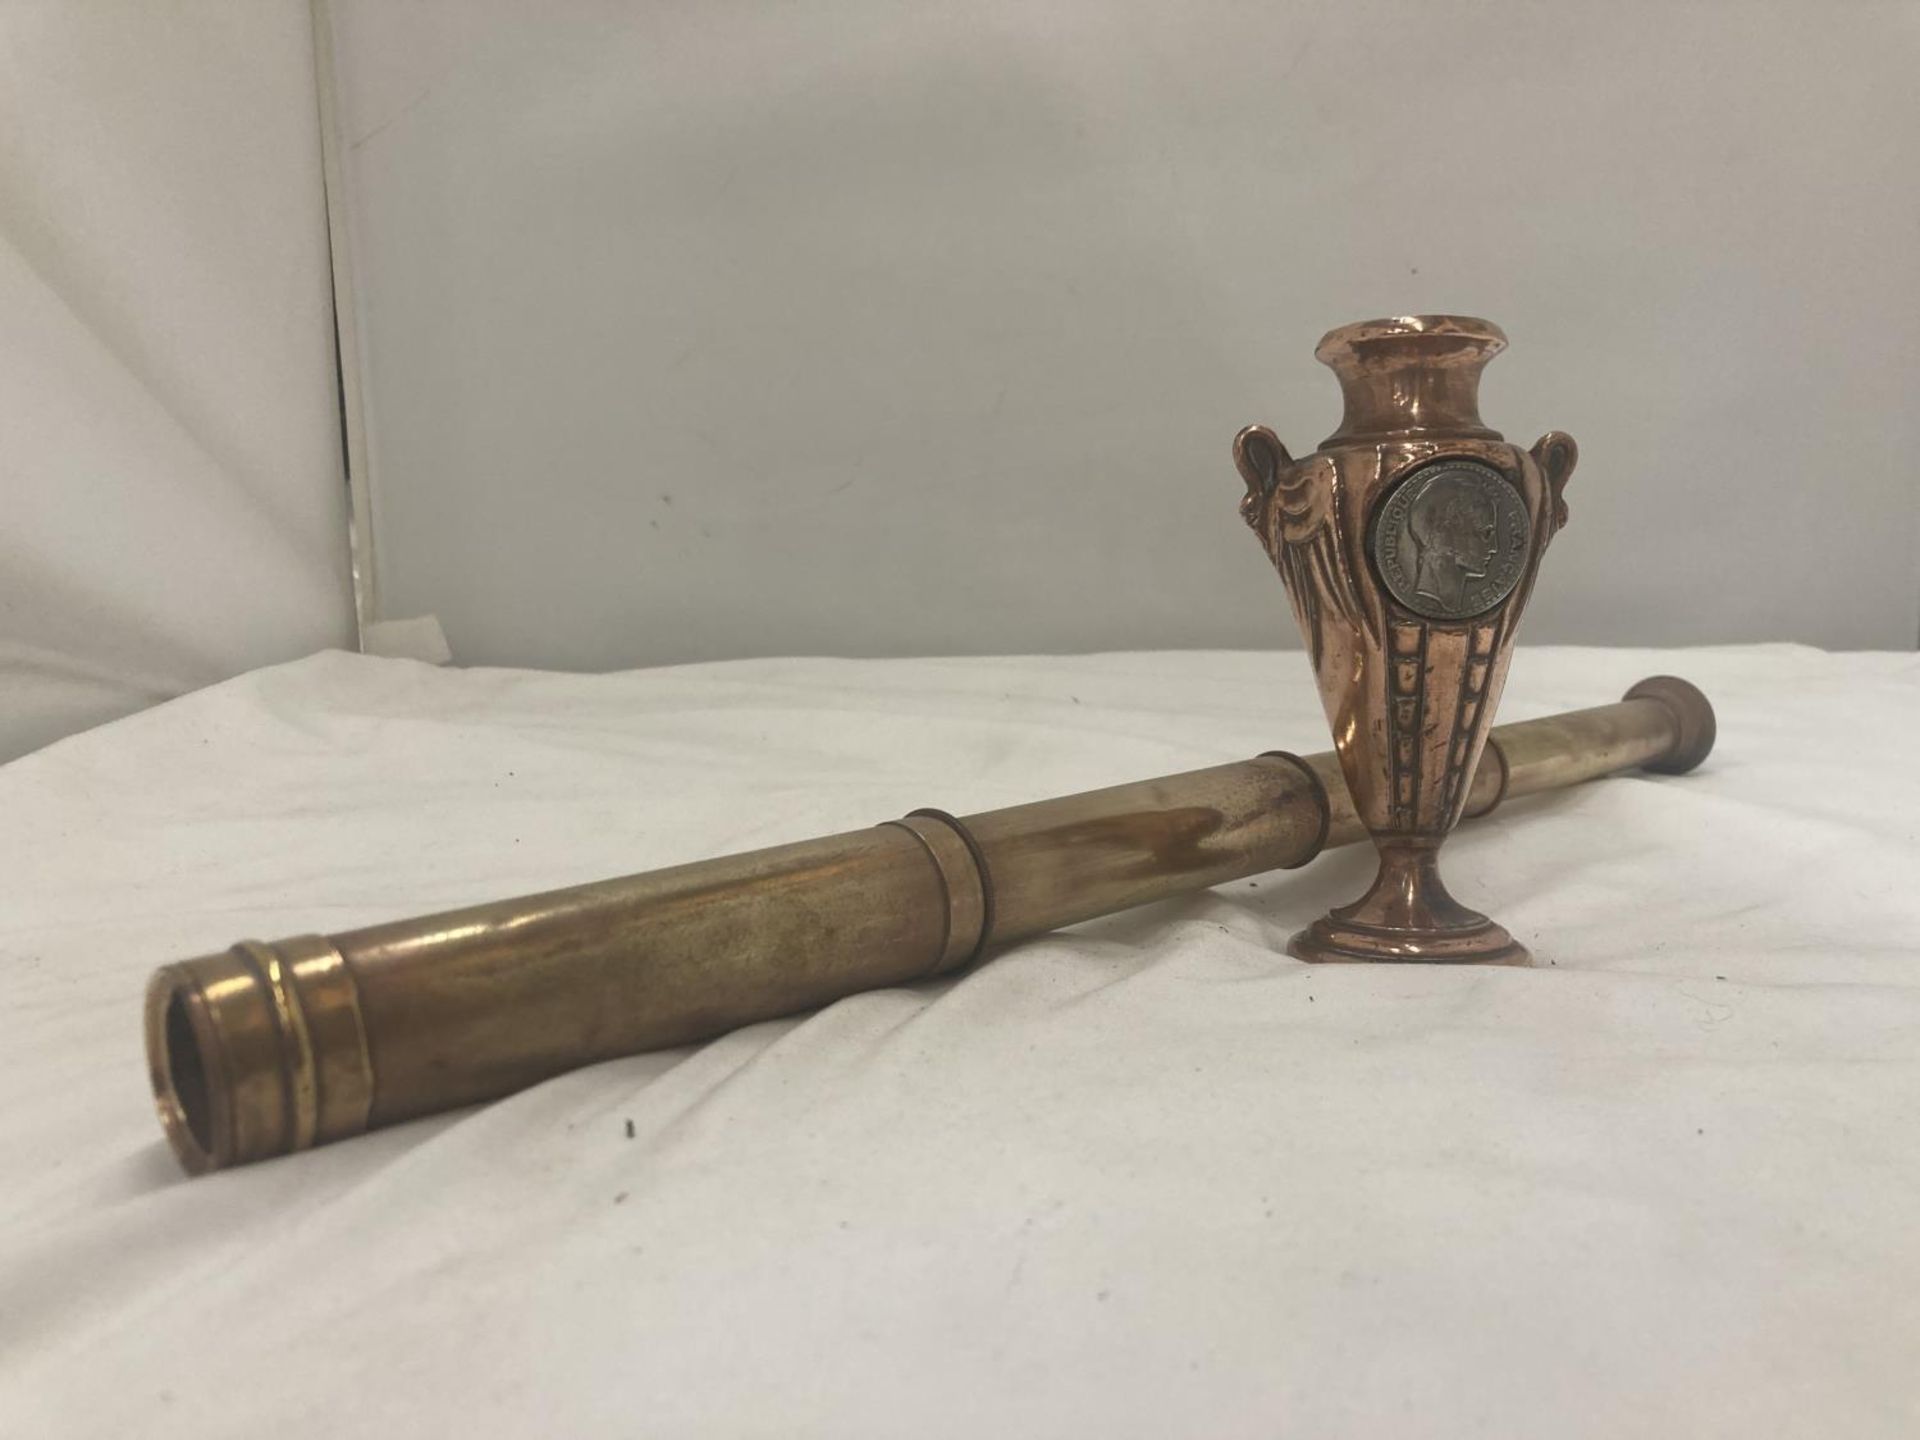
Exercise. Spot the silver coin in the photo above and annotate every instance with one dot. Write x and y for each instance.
(1452, 539)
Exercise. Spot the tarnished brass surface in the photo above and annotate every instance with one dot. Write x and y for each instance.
(1408, 543)
(266, 1049)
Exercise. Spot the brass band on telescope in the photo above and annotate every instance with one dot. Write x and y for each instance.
(266, 1049)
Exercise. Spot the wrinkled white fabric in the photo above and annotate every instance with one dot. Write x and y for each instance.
(1147, 1178)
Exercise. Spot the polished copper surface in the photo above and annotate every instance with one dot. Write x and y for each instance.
(265, 1049)
(1408, 544)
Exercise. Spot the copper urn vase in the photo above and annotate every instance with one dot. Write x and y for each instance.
(1408, 543)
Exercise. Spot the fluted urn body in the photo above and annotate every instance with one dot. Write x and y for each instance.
(1408, 543)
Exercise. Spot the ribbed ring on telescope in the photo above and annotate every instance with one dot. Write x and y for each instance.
(963, 879)
(256, 1052)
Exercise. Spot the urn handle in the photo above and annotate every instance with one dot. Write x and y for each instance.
(1259, 456)
(1556, 455)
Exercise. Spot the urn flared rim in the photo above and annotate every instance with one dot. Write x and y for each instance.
(1399, 340)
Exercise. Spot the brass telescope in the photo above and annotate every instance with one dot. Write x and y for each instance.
(266, 1049)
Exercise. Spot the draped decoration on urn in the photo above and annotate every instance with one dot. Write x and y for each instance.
(1408, 544)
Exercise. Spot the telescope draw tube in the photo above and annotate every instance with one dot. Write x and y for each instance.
(271, 1048)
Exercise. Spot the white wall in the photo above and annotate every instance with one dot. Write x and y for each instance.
(173, 505)
(707, 331)
(716, 330)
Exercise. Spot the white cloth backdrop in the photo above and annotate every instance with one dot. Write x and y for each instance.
(172, 501)
(1148, 1178)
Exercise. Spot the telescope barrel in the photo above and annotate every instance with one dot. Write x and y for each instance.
(265, 1049)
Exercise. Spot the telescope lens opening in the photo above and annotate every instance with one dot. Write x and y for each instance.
(187, 1075)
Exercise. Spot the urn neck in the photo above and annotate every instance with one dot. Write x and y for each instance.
(1413, 375)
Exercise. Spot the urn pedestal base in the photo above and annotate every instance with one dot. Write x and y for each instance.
(1407, 917)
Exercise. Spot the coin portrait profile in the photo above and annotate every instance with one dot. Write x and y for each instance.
(1451, 539)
